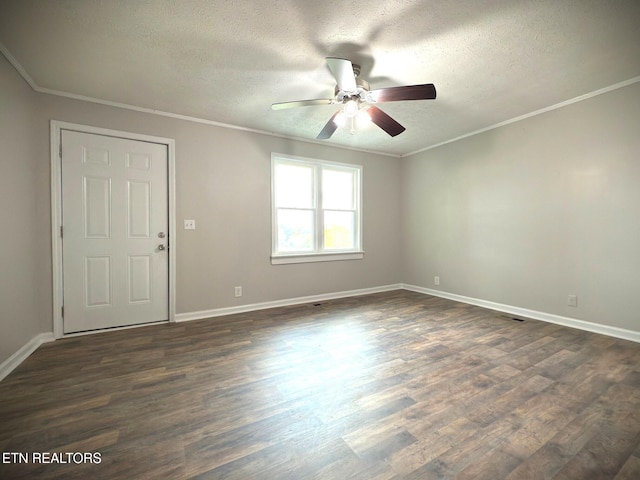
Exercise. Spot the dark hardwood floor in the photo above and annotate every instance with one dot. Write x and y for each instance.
(395, 385)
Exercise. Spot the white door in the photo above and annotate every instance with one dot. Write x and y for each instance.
(115, 231)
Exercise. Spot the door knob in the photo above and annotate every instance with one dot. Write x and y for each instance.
(160, 247)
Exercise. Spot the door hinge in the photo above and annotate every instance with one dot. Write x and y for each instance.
(62, 311)
(61, 230)
(60, 150)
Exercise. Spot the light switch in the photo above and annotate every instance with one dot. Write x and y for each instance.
(189, 224)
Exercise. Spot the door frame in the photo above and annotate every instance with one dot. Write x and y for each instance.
(56, 215)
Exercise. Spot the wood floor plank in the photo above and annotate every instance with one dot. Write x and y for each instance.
(389, 386)
(553, 455)
(630, 470)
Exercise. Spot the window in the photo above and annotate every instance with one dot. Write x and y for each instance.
(316, 213)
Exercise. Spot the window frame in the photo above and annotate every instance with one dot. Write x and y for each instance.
(319, 253)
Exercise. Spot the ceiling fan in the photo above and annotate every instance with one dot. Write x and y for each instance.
(357, 100)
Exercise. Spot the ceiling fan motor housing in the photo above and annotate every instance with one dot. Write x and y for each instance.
(362, 86)
(359, 94)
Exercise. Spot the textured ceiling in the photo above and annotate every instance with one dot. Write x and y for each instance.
(227, 61)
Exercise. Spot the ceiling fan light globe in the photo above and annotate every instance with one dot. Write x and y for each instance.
(363, 118)
(340, 119)
(351, 108)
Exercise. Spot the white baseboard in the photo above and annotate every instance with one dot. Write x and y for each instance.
(534, 314)
(217, 312)
(21, 355)
(10, 364)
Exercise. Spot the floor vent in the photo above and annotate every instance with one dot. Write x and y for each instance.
(512, 318)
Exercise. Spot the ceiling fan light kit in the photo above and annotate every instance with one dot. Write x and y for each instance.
(352, 118)
(354, 94)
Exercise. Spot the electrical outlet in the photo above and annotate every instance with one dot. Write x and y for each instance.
(189, 224)
(238, 291)
(436, 280)
(572, 300)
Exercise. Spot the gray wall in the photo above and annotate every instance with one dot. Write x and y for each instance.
(223, 182)
(20, 256)
(528, 213)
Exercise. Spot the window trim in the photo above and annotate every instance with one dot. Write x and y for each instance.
(318, 255)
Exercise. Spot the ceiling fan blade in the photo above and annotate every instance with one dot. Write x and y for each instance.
(408, 92)
(384, 121)
(301, 103)
(329, 128)
(342, 70)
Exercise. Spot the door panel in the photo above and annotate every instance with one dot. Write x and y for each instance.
(97, 281)
(139, 209)
(115, 220)
(140, 276)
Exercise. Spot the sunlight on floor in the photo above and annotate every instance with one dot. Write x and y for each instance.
(324, 361)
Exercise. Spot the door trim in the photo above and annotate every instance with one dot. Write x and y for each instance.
(56, 212)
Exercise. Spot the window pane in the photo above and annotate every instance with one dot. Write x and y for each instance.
(295, 230)
(337, 189)
(339, 230)
(294, 186)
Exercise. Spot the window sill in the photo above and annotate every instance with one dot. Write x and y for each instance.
(315, 257)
